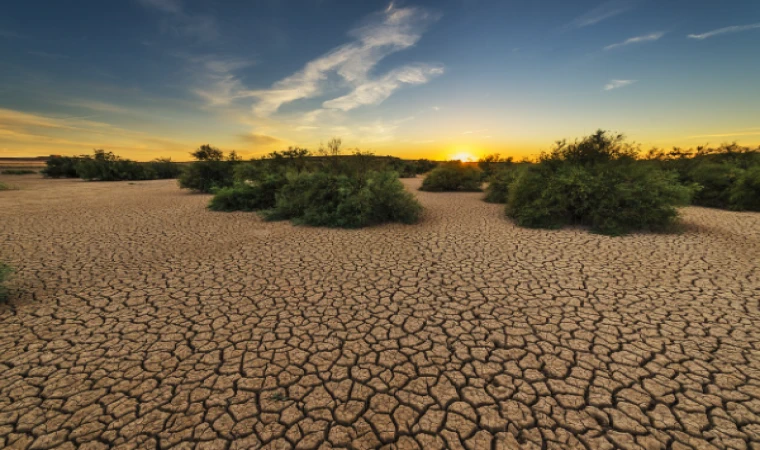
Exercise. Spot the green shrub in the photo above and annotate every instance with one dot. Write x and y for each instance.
(5, 273)
(425, 166)
(745, 193)
(210, 171)
(452, 176)
(164, 169)
(61, 167)
(248, 195)
(596, 182)
(491, 164)
(4, 187)
(18, 172)
(106, 166)
(334, 200)
(716, 181)
(497, 190)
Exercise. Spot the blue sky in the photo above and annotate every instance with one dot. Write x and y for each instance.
(149, 78)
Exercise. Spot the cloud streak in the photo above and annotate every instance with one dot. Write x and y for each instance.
(373, 92)
(637, 40)
(726, 30)
(617, 84)
(385, 33)
(181, 23)
(601, 13)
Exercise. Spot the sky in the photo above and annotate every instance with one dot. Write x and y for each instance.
(432, 79)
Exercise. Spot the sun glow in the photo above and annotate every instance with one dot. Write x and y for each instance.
(463, 156)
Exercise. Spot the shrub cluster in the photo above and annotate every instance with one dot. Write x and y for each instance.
(18, 172)
(5, 273)
(453, 176)
(596, 182)
(328, 189)
(61, 167)
(4, 187)
(337, 200)
(106, 166)
(248, 194)
(497, 190)
(724, 175)
(493, 164)
(211, 170)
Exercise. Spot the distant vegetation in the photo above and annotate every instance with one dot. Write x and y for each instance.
(18, 172)
(4, 187)
(328, 189)
(727, 177)
(5, 273)
(106, 166)
(453, 176)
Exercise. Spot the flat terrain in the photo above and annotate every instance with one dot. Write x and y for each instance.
(142, 320)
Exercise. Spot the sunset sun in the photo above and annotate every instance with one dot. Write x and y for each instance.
(463, 156)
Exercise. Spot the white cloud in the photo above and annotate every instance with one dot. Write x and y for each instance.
(733, 29)
(602, 12)
(616, 84)
(372, 92)
(637, 40)
(382, 34)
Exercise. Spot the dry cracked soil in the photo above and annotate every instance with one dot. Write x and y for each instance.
(139, 319)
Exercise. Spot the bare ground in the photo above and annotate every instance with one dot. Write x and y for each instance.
(142, 320)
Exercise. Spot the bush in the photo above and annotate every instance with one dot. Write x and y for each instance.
(164, 169)
(18, 172)
(613, 200)
(716, 181)
(745, 193)
(452, 176)
(106, 166)
(497, 190)
(5, 273)
(4, 187)
(248, 196)
(61, 167)
(210, 171)
(334, 200)
(596, 182)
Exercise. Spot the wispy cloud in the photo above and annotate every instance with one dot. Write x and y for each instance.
(372, 92)
(746, 132)
(616, 84)
(182, 23)
(719, 31)
(637, 40)
(220, 85)
(260, 140)
(390, 31)
(602, 12)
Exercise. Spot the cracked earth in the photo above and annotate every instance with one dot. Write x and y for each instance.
(141, 320)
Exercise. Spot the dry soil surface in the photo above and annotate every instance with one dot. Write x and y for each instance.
(141, 320)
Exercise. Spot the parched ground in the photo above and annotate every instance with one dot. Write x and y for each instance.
(142, 320)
